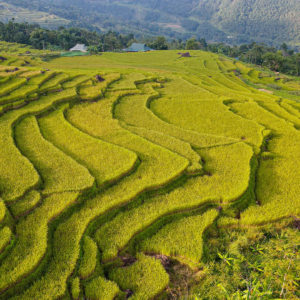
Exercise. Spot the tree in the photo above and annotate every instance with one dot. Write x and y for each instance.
(192, 44)
(274, 61)
(160, 43)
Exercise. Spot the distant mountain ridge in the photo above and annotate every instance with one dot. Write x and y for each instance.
(230, 21)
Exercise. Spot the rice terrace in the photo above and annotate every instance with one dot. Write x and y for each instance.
(147, 176)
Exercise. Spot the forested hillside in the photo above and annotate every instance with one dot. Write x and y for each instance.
(230, 21)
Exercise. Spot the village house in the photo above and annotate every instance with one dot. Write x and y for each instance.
(79, 47)
(137, 47)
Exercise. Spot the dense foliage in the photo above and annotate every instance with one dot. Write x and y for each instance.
(33, 34)
(268, 21)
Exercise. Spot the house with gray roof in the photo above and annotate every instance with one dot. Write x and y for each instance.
(137, 47)
(80, 47)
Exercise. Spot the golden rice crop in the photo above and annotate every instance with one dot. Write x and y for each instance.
(97, 90)
(101, 289)
(11, 85)
(277, 187)
(210, 117)
(227, 83)
(5, 236)
(2, 210)
(32, 239)
(17, 174)
(211, 64)
(75, 81)
(75, 288)
(133, 111)
(258, 114)
(220, 162)
(20, 93)
(30, 74)
(181, 239)
(106, 162)
(280, 112)
(54, 81)
(288, 106)
(158, 165)
(178, 146)
(177, 85)
(68, 234)
(127, 82)
(39, 80)
(27, 203)
(146, 278)
(199, 101)
(89, 259)
(59, 172)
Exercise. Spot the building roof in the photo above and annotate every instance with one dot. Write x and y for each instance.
(137, 47)
(79, 47)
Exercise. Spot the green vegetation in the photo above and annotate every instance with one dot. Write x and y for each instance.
(27, 203)
(115, 235)
(5, 236)
(217, 20)
(89, 259)
(11, 85)
(101, 289)
(75, 288)
(92, 153)
(147, 175)
(146, 277)
(2, 210)
(58, 171)
(32, 240)
(181, 239)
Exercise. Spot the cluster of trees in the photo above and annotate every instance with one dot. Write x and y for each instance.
(262, 20)
(62, 39)
(93, 15)
(283, 60)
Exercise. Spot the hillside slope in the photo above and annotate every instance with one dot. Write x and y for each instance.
(269, 21)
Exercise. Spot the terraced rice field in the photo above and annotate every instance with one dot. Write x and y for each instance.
(101, 177)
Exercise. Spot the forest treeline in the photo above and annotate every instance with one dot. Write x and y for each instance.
(272, 22)
(282, 60)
